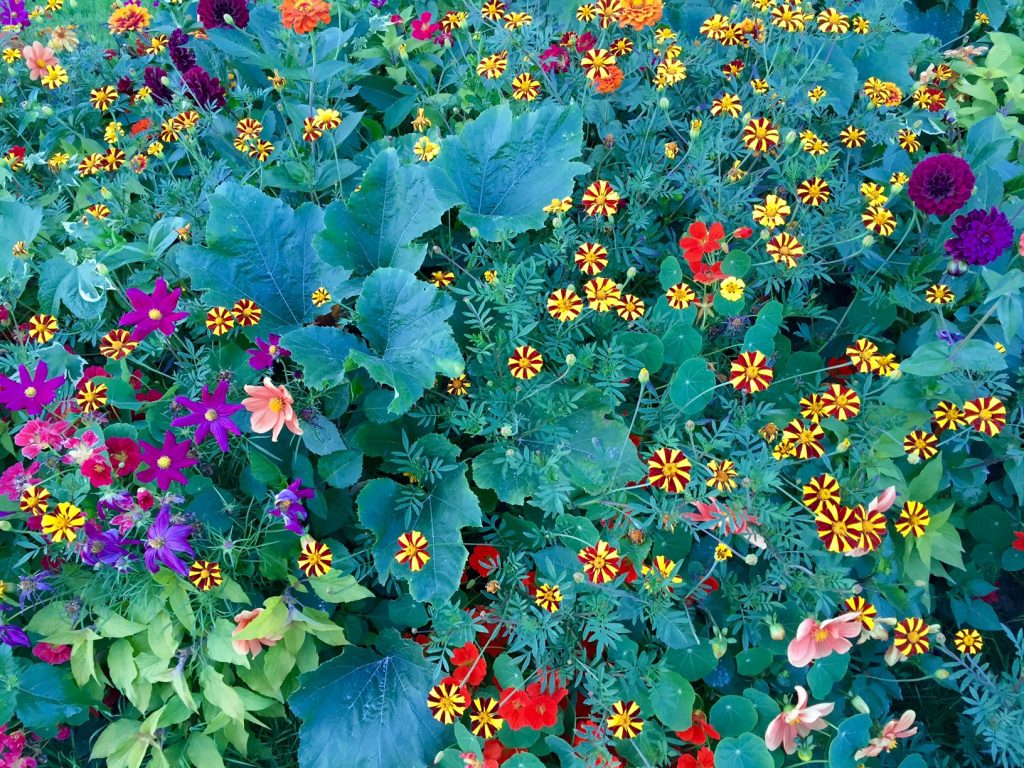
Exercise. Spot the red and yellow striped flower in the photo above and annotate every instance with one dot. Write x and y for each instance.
(669, 470)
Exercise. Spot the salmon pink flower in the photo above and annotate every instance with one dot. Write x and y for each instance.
(816, 641)
(797, 721)
(256, 645)
(891, 732)
(37, 58)
(271, 409)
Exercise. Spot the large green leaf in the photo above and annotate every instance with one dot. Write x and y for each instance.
(258, 248)
(503, 170)
(375, 227)
(403, 319)
(365, 710)
(18, 223)
(387, 509)
(852, 734)
(746, 751)
(47, 697)
(321, 352)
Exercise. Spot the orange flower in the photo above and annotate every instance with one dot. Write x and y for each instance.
(303, 16)
(610, 82)
(271, 409)
(639, 13)
(254, 646)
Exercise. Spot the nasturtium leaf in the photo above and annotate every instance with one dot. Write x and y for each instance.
(745, 751)
(853, 734)
(826, 673)
(502, 170)
(19, 223)
(388, 510)
(523, 760)
(753, 661)
(914, 761)
(47, 697)
(404, 320)
(733, 715)
(646, 348)
(260, 249)
(692, 386)
(375, 227)
(368, 710)
(672, 698)
(79, 287)
(321, 352)
(693, 662)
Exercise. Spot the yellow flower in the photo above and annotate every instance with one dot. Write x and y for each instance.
(723, 553)
(425, 149)
(421, 122)
(732, 288)
(558, 205)
(55, 77)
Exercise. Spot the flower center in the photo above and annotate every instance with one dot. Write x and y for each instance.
(164, 462)
(30, 392)
(276, 404)
(155, 314)
(210, 415)
(272, 349)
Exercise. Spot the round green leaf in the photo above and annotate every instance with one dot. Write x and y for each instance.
(747, 751)
(692, 387)
(672, 699)
(733, 715)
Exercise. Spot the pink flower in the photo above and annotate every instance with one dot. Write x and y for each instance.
(798, 721)
(893, 730)
(422, 29)
(81, 449)
(271, 409)
(816, 641)
(52, 654)
(255, 646)
(38, 57)
(884, 500)
(40, 435)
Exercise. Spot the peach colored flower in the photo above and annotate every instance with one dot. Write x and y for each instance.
(798, 721)
(304, 15)
(271, 409)
(893, 730)
(884, 500)
(816, 641)
(37, 58)
(244, 619)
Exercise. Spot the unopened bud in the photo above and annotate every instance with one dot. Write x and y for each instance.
(718, 648)
(790, 137)
(942, 674)
(663, 102)
(868, 241)
(556, 223)
(631, 273)
(860, 705)
(47, 110)
(570, 360)
(506, 430)
(956, 267)
(229, 19)
(843, 446)
(690, 425)
(777, 631)
(578, 577)
(644, 376)
(474, 232)
(750, 559)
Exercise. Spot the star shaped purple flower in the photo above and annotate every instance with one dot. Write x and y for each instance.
(163, 540)
(165, 462)
(153, 311)
(212, 415)
(266, 352)
(30, 393)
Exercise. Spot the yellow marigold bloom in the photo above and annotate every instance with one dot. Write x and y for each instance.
(55, 77)
(155, 149)
(879, 220)
(910, 637)
(586, 12)
(680, 296)
(939, 294)
(320, 297)
(968, 641)
(413, 547)
(425, 149)
(885, 365)
(558, 205)
(875, 193)
(670, 72)
(832, 21)
(814, 191)
(113, 131)
(98, 211)
(327, 119)
(760, 135)
(548, 597)
(493, 10)
(61, 525)
(205, 575)
(784, 248)
(861, 26)
(441, 278)
(722, 475)
(772, 212)
(816, 94)
(986, 414)
(947, 415)
(103, 97)
(822, 493)
(315, 558)
(630, 307)
(42, 327)
(921, 445)
(565, 304)
(34, 500)
(806, 439)
(750, 372)
(601, 562)
(623, 721)
(493, 67)
(219, 320)
(788, 17)
(261, 150)
(668, 469)
(759, 85)
(129, 18)
(671, 150)
(840, 402)
(908, 140)
(596, 63)
(58, 160)
(602, 294)
(723, 552)
(812, 407)
(524, 87)
(727, 104)
(311, 130)
(517, 19)
(483, 717)
(11, 55)
(853, 137)
(157, 44)
(459, 386)
(866, 612)
(600, 199)
(525, 362)
(446, 702)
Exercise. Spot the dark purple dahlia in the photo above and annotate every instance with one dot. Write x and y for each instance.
(206, 91)
(980, 236)
(213, 12)
(941, 184)
(154, 78)
(181, 55)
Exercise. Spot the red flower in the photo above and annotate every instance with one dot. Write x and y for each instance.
(534, 708)
(742, 233)
(124, 455)
(1018, 542)
(699, 731)
(585, 42)
(141, 125)
(467, 666)
(707, 273)
(422, 29)
(704, 759)
(845, 368)
(629, 570)
(483, 559)
(701, 241)
(495, 753)
(52, 654)
(96, 469)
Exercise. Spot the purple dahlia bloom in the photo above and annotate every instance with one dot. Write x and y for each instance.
(941, 184)
(980, 236)
(205, 90)
(181, 54)
(212, 12)
(153, 78)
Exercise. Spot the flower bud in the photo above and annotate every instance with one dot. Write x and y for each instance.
(790, 137)
(556, 223)
(102, 269)
(843, 446)
(47, 110)
(719, 647)
(570, 360)
(631, 273)
(506, 430)
(868, 241)
(942, 674)
(644, 376)
(860, 705)
(956, 267)
(663, 102)
(690, 425)
(229, 19)
(578, 577)
(805, 753)
(474, 232)
(777, 631)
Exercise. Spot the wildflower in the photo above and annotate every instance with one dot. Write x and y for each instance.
(722, 474)
(129, 18)
(623, 721)
(980, 237)
(483, 718)
(459, 386)
(948, 416)
(727, 104)
(986, 414)
(853, 137)
(784, 248)
(921, 445)
(30, 392)
(968, 641)
(680, 296)
(525, 362)
(61, 525)
(788, 17)
(910, 637)
(252, 646)
(601, 199)
(750, 372)
(565, 304)
(760, 135)
(772, 212)
(153, 312)
(669, 470)
(891, 732)
(732, 288)
(492, 67)
(205, 575)
(413, 547)
(210, 416)
(425, 149)
(271, 409)
(630, 307)
(516, 19)
(315, 558)
(879, 220)
(163, 540)
(320, 297)
(446, 703)
(524, 87)
(303, 16)
(165, 462)
(601, 562)
(795, 722)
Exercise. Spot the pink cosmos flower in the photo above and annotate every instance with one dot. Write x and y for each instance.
(798, 721)
(38, 57)
(255, 647)
(891, 732)
(816, 641)
(271, 409)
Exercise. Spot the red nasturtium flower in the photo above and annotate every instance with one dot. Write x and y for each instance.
(536, 707)
(468, 668)
(701, 240)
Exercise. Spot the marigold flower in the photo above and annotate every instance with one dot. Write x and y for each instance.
(441, 278)
(772, 212)
(62, 524)
(939, 294)
(42, 327)
(320, 297)
(524, 87)
(869, 524)
(494, 66)
(459, 386)
(565, 304)
(219, 320)
(836, 530)
(446, 702)
(750, 372)
(600, 562)
(669, 470)
(34, 500)
(525, 362)
(630, 307)
(914, 518)
(814, 191)
(760, 135)
(862, 354)
(596, 63)
(303, 16)
(548, 597)
(91, 396)
(784, 248)
(910, 637)
(601, 199)
(117, 344)
(840, 402)
(315, 558)
(680, 296)
(862, 609)
(920, 444)
(602, 294)
(948, 416)
(623, 721)
(722, 474)
(986, 414)
(247, 313)
(205, 575)
(129, 18)
(968, 641)
(413, 550)
(822, 494)
(806, 439)
(610, 82)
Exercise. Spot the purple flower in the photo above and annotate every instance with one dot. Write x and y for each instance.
(106, 547)
(11, 634)
(266, 352)
(153, 77)
(950, 337)
(165, 462)
(16, 478)
(181, 54)
(29, 586)
(153, 311)
(980, 237)
(378, 3)
(13, 13)
(163, 539)
(213, 13)
(288, 505)
(30, 393)
(206, 91)
(941, 184)
(212, 414)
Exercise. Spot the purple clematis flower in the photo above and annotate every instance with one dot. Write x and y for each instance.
(163, 540)
(165, 462)
(30, 393)
(107, 547)
(211, 415)
(288, 505)
(266, 352)
(13, 635)
(153, 311)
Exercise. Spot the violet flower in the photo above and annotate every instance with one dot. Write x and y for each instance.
(165, 462)
(163, 540)
(211, 415)
(13, 635)
(288, 505)
(107, 547)
(30, 393)
(215, 13)
(181, 54)
(153, 77)
(153, 311)
(980, 236)
(30, 586)
(13, 13)
(266, 352)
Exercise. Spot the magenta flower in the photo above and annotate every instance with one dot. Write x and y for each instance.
(422, 29)
(165, 462)
(941, 184)
(980, 236)
(30, 393)
(153, 311)
(266, 352)
(211, 415)
(40, 435)
(16, 478)
(816, 641)
(163, 540)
